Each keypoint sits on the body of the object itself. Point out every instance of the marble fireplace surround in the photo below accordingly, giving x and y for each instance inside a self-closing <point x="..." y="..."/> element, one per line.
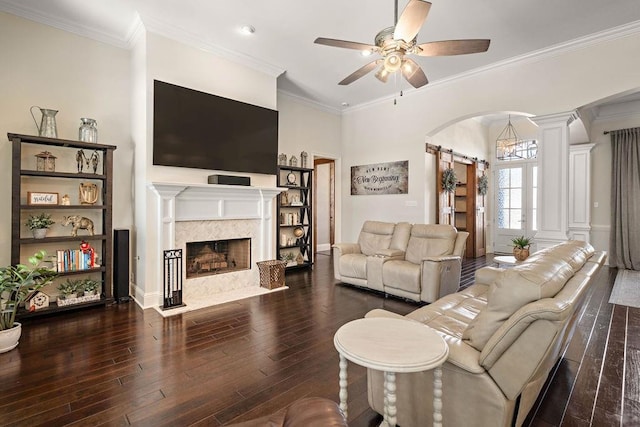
<point x="197" y="212"/>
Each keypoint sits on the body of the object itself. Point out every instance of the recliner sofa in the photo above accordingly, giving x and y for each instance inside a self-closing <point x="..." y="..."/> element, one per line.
<point x="505" y="333"/>
<point x="420" y="262"/>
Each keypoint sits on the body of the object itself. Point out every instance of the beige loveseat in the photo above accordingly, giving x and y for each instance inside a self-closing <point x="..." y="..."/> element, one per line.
<point x="421" y="262"/>
<point x="505" y="333"/>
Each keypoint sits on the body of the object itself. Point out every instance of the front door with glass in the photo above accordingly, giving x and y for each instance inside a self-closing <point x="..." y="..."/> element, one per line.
<point x="516" y="200"/>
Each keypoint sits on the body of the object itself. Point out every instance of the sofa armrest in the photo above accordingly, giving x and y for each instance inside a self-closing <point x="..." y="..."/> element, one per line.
<point x="390" y="253"/>
<point x="487" y="275"/>
<point x="347" y="248"/>
<point x="440" y="276"/>
<point x="378" y="312"/>
<point x="463" y="355"/>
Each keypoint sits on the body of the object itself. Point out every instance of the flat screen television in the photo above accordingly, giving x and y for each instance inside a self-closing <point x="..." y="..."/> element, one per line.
<point x="194" y="129"/>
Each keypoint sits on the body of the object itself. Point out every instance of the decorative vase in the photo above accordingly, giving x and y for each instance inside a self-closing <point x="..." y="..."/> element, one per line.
<point x="39" y="233"/>
<point x="9" y="337"/>
<point x="521" y="254"/>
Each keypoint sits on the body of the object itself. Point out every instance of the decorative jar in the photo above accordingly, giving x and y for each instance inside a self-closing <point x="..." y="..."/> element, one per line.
<point x="88" y="131"/>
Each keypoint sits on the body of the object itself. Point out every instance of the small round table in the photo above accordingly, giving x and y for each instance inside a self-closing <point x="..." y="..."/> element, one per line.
<point x="506" y="261"/>
<point x="392" y="346"/>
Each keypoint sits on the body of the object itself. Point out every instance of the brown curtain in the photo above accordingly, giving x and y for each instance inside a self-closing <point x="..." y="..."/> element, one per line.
<point x="624" y="244"/>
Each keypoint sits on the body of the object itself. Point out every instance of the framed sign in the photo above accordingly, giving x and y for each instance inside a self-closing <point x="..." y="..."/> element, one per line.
<point x="380" y="178"/>
<point x="34" y="198"/>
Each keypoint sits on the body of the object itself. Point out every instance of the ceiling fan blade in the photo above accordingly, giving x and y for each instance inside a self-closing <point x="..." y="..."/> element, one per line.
<point x="453" y="47"/>
<point x="360" y="72"/>
<point x="411" y="20"/>
<point x="345" y="44"/>
<point x="413" y="73"/>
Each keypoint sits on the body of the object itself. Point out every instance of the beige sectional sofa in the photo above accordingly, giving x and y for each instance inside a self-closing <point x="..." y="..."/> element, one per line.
<point x="505" y="333"/>
<point x="421" y="262"/>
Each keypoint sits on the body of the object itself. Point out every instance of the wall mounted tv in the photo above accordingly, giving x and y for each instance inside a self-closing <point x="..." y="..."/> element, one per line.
<point x="193" y="129"/>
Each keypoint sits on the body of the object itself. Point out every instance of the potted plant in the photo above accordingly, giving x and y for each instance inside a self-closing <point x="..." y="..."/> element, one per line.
<point x="90" y="286"/>
<point x="16" y="283"/>
<point x="289" y="258"/>
<point x="521" y="247"/>
<point x="69" y="289"/>
<point x="39" y="224"/>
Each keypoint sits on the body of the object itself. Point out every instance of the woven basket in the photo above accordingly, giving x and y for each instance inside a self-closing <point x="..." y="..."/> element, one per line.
<point x="271" y="273"/>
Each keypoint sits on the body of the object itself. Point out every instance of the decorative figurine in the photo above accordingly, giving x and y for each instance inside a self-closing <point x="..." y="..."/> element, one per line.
<point x="78" y="223"/>
<point x="282" y="159"/>
<point x="66" y="201"/>
<point x="293" y="161"/>
<point x="303" y="159"/>
<point x="82" y="160"/>
<point x="87" y="249"/>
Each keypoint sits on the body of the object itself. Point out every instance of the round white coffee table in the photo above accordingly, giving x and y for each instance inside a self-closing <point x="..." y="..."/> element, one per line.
<point x="506" y="261"/>
<point x="392" y="346"/>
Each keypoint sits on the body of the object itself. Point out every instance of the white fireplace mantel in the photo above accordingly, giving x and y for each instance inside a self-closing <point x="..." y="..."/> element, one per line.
<point x="211" y="202"/>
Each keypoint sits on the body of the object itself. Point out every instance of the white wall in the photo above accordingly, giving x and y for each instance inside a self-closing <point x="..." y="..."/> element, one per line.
<point x="160" y="58"/>
<point x="80" y="78"/>
<point x="542" y="85"/>
<point x="307" y="127"/>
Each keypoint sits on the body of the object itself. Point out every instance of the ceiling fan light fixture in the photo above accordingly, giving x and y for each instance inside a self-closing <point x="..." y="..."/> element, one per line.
<point x="367" y="52"/>
<point x="382" y="74"/>
<point x="393" y="62"/>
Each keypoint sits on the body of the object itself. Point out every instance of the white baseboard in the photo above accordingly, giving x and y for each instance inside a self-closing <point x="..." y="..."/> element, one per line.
<point x="323" y="247"/>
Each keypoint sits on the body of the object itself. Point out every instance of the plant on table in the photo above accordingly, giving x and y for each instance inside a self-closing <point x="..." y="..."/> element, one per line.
<point x="521" y="246"/>
<point x="39" y="224"/>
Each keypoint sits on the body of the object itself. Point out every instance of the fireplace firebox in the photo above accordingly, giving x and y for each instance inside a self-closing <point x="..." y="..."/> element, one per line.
<point x="218" y="257"/>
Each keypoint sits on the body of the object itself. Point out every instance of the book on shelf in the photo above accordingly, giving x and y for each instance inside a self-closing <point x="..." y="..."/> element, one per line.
<point x="73" y="260"/>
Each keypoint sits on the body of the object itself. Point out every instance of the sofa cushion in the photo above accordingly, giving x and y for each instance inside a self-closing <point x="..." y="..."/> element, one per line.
<point x="353" y="265"/>
<point x="375" y="235"/>
<point x="402" y="275"/>
<point x="574" y="252"/>
<point x="428" y="240"/>
<point x="540" y="277"/>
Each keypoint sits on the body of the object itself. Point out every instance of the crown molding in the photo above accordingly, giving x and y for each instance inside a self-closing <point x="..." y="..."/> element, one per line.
<point x="310" y="103"/>
<point x="548" y="52"/>
<point x="191" y="39"/>
<point x="62" y="24"/>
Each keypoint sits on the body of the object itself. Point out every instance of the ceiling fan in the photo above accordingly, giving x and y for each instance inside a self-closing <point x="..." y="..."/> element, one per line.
<point x="395" y="43"/>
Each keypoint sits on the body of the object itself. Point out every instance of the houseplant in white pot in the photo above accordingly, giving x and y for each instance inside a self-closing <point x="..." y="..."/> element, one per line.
<point x="16" y="283"/>
<point x="39" y="224"/>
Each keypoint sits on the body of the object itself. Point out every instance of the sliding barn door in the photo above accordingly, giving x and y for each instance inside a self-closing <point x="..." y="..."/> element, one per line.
<point x="480" y="238"/>
<point x="445" y="204"/>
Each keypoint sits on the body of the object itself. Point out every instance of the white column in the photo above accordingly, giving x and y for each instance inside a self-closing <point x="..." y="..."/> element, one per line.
<point x="580" y="191"/>
<point x="553" y="185"/>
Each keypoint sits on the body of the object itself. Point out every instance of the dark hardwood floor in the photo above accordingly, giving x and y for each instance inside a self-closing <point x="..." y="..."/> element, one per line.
<point x="121" y="365"/>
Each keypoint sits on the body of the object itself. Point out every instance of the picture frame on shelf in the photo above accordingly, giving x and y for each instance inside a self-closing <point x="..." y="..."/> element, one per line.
<point x="41" y="198"/>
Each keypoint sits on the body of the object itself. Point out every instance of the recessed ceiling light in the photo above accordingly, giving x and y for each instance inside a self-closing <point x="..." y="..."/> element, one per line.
<point x="247" y="29"/>
<point x="345" y="104"/>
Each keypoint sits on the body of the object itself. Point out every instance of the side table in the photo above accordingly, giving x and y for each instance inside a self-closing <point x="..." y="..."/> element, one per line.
<point x="392" y="346"/>
<point x="506" y="261"/>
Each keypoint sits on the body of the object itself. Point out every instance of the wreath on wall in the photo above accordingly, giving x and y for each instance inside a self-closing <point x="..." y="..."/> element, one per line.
<point x="449" y="180"/>
<point x="483" y="185"/>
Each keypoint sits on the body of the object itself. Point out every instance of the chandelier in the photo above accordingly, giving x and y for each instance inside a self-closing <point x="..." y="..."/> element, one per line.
<point x="509" y="146"/>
